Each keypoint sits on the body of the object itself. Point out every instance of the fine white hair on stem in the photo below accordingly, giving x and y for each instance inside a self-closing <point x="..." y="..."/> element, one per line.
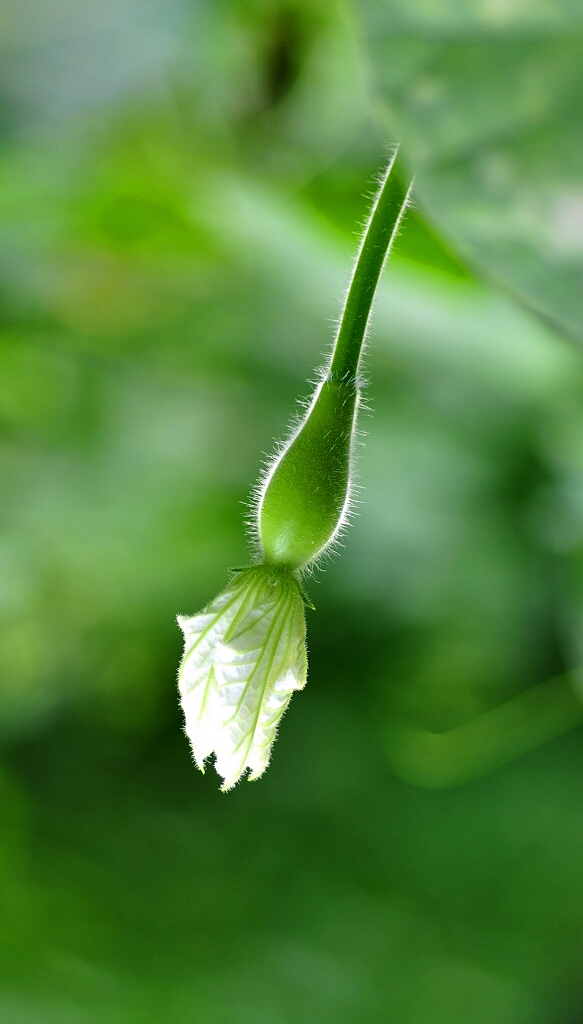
<point x="344" y="362"/>
<point x="374" y="195"/>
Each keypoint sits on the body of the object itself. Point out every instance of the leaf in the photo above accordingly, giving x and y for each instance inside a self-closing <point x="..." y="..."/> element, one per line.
<point x="488" y="102"/>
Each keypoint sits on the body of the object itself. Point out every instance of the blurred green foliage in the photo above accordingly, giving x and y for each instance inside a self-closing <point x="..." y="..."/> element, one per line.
<point x="179" y="188"/>
<point x="486" y="97"/>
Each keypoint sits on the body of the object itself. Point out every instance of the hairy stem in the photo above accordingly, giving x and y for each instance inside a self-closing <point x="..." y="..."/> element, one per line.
<point x="382" y="228"/>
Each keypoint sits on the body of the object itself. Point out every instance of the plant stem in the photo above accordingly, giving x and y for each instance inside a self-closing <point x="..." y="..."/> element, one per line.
<point x="382" y="228"/>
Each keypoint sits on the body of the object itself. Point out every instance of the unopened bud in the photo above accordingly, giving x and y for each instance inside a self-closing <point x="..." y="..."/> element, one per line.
<point x="305" y="498"/>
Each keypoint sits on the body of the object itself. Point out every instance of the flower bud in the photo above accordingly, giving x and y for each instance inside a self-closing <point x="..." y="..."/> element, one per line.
<point x="245" y="653"/>
<point x="305" y="497"/>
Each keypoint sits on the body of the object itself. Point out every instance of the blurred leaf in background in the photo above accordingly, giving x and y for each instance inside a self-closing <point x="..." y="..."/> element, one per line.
<point x="488" y="100"/>
<point x="180" y="185"/>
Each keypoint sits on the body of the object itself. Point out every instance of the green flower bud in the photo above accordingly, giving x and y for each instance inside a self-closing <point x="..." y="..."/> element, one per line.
<point x="245" y="653"/>
<point x="305" y="497"/>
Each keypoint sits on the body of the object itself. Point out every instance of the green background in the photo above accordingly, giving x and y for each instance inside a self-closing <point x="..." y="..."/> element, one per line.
<point x="180" y="189"/>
